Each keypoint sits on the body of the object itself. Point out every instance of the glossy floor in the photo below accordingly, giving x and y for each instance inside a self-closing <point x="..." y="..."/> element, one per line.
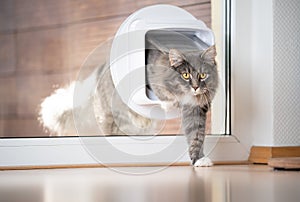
<point x="183" y="183"/>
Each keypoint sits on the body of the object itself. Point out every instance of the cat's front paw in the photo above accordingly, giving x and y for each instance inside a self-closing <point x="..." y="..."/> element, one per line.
<point x="203" y="162"/>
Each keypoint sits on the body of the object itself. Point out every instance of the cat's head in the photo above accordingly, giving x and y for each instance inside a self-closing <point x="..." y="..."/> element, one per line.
<point x="181" y="76"/>
<point x="197" y="74"/>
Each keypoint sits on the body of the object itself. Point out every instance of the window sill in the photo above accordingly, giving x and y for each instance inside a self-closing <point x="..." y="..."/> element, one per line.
<point x="112" y="151"/>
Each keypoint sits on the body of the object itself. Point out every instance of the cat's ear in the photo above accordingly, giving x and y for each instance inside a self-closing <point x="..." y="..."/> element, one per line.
<point x="209" y="55"/>
<point x="175" y="58"/>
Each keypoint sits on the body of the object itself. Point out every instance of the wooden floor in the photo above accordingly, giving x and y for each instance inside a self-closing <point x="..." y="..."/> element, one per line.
<point x="178" y="183"/>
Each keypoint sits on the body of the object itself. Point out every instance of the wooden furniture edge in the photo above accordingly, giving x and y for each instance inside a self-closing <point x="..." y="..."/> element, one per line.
<point x="262" y="154"/>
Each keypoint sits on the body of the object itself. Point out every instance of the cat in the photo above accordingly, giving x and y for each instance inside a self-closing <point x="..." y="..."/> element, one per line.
<point x="188" y="81"/>
<point x="182" y="79"/>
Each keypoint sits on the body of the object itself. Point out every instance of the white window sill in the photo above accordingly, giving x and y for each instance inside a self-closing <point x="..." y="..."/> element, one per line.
<point x="159" y="150"/>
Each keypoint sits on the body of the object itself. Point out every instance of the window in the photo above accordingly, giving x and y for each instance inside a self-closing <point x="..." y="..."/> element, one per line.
<point x="42" y="52"/>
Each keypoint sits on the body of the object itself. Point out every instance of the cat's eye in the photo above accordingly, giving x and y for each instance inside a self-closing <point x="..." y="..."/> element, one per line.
<point x="185" y="75"/>
<point x="202" y="76"/>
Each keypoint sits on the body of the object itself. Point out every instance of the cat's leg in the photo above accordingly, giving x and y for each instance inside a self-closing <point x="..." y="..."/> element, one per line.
<point x="194" y="118"/>
<point x="203" y="161"/>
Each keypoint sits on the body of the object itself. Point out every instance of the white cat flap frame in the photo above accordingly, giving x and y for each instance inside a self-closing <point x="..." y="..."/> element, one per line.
<point x="127" y="56"/>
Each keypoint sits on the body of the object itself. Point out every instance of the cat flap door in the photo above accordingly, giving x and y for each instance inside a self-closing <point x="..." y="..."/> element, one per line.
<point x="162" y="27"/>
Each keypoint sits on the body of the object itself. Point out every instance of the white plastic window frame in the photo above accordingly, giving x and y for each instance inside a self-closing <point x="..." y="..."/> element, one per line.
<point x="69" y="151"/>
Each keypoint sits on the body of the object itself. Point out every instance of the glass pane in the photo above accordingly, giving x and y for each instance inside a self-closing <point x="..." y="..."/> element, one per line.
<point x="47" y="45"/>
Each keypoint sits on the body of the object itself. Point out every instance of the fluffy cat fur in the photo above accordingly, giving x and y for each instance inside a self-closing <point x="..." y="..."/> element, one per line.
<point x="188" y="80"/>
<point x="184" y="79"/>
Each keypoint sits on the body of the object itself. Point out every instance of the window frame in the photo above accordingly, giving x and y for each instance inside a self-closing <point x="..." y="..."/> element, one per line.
<point x="69" y="151"/>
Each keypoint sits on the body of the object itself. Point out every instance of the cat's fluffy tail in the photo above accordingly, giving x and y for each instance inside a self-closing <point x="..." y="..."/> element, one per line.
<point x="56" y="112"/>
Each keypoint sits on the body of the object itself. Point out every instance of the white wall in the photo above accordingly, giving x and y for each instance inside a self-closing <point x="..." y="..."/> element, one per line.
<point x="257" y="104"/>
<point x="286" y="72"/>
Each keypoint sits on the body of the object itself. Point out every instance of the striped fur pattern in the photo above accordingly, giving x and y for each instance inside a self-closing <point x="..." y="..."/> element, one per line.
<point x="187" y="80"/>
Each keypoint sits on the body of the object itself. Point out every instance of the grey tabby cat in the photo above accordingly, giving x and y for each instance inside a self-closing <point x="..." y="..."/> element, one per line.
<point x="188" y="80"/>
<point x="183" y="79"/>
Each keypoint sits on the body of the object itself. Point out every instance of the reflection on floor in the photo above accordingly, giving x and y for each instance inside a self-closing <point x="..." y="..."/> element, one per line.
<point x="181" y="183"/>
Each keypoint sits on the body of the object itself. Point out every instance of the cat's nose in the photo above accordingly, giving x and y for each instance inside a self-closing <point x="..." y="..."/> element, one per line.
<point x="195" y="87"/>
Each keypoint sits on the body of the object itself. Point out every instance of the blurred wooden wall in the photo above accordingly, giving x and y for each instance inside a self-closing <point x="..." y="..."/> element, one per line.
<point x="44" y="42"/>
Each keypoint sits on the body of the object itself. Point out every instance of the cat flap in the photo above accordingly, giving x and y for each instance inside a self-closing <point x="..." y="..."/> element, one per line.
<point x="184" y="40"/>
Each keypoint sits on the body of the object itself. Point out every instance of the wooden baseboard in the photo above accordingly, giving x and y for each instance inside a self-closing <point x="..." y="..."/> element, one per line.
<point x="263" y="154"/>
<point x="90" y="166"/>
<point x="216" y="163"/>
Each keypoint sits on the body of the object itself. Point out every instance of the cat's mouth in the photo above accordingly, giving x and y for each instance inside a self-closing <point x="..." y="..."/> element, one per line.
<point x="203" y="96"/>
<point x="199" y="91"/>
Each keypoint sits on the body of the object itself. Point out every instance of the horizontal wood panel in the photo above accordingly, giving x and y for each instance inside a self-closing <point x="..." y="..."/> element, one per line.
<point x="62" y="49"/>
<point x="32" y="89"/>
<point x="56" y="12"/>
<point x="8" y="97"/>
<point x="7" y="54"/>
<point x="7" y="15"/>
<point x="21" y="128"/>
<point x="67" y="47"/>
<point x="260" y="154"/>
<point x="84" y="38"/>
<point x="201" y="12"/>
<point x="43" y="50"/>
